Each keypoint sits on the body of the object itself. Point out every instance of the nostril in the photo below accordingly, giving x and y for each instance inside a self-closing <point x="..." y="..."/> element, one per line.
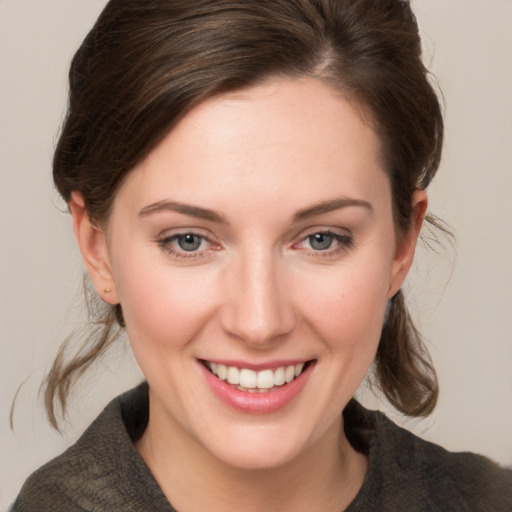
<point x="256" y="310"/>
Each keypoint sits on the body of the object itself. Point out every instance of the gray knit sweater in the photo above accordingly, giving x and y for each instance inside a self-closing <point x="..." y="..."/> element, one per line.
<point x="104" y="472"/>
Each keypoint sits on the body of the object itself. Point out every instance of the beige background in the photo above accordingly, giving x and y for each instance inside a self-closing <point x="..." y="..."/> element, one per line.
<point x="466" y="318"/>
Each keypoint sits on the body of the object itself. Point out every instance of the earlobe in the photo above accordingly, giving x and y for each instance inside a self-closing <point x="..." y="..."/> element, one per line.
<point x="92" y="242"/>
<point x="406" y="247"/>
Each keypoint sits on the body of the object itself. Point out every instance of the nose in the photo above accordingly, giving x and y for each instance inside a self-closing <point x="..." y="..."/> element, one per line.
<point x="257" y="308"/>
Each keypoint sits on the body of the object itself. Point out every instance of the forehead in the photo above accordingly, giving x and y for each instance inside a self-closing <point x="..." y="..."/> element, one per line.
<point x="284" y="138"/>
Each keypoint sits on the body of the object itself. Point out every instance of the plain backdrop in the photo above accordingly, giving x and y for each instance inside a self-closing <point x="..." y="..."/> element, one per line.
<point x="462" y="297"/>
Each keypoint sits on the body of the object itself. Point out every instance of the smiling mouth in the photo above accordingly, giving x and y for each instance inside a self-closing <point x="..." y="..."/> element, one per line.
<point x="251" y="381"/>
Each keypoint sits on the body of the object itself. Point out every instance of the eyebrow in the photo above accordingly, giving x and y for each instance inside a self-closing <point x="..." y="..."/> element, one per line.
<point x="329" y="206"/>
<point x="185" y="209"/>
<point x="213" y="216"/>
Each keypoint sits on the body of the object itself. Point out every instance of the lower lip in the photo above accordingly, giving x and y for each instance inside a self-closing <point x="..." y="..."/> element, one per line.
<point x="257" y="403"/>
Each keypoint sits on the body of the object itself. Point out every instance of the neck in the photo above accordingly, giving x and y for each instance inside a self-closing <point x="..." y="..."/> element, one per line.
<point x="326" y="476"/>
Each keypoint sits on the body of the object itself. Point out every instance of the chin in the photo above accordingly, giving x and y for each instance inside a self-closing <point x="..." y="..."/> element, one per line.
<point x="252" y="456"/>
<point x="261" y="446"/>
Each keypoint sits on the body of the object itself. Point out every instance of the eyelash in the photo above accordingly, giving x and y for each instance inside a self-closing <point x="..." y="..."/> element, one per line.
<point x="166" y="244"/>
<point x="342" y="243"/>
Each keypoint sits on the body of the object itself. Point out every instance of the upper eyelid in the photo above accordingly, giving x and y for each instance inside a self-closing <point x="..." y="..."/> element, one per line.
<point x="307" y="232"/>
<point x="335" y="235"/>
<point x="176" y="232"/>
<point x="332" y="231"/>
<point x="165" y="236"/>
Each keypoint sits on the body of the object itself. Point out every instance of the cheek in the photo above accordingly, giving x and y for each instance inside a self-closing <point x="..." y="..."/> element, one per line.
<point x="163" y="306"/>
<point x="347" y="306"/>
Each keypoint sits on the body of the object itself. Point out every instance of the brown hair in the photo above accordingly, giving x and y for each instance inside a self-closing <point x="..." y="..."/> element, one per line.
<point x="146" y="63"/>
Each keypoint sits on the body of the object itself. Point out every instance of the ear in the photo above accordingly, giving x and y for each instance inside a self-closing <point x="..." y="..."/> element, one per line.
<point x="93" y="246"/>
<point x="406" y="245"/>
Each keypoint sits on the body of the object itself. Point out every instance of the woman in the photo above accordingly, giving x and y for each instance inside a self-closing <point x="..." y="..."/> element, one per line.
<point x="247" y="184"/>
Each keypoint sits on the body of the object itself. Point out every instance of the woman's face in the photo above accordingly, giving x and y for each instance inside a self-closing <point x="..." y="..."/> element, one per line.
<point x="254" y="244"/>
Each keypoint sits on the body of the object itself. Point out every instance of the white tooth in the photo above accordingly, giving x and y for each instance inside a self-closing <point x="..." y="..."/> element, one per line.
<point x="265" y="379"/>
<point x="247" y="378"/>
<point x="298" y="369"/>
<point x="279" y="378"/>
<point x="233" y="375"/>
<point x="213" y="367"/>
<point x="222" y="372"/>
<point x="289" y="373"/>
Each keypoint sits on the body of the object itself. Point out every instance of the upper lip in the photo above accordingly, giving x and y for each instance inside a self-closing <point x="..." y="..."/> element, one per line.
<point x="269" y="365"/>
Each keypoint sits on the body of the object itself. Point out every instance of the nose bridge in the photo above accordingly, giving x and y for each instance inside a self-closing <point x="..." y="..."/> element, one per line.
<point x="257" y="309"/>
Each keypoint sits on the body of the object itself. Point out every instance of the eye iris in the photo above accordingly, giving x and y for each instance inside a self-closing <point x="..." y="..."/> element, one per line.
<point x="189" y="242"/>
<point x="320" y="241"/>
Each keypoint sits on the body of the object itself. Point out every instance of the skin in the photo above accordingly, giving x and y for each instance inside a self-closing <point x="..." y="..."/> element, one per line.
<point x="257" y="290"/>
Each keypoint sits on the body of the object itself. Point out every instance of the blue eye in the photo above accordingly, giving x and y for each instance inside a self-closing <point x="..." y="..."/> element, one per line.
<point x="325" y="243"/>
<point x="189" y="242"/>
<point x="321" y="241"/>
<point x="185" y="245"/>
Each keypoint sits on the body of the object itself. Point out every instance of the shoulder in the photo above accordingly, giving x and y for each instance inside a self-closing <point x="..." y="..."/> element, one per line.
<point x="460" y="481"/>
<point x="64" y="483"/>
<point x="101" y="471"/>
<point x="405" y="469"/>
<point x="469" y="481"/>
